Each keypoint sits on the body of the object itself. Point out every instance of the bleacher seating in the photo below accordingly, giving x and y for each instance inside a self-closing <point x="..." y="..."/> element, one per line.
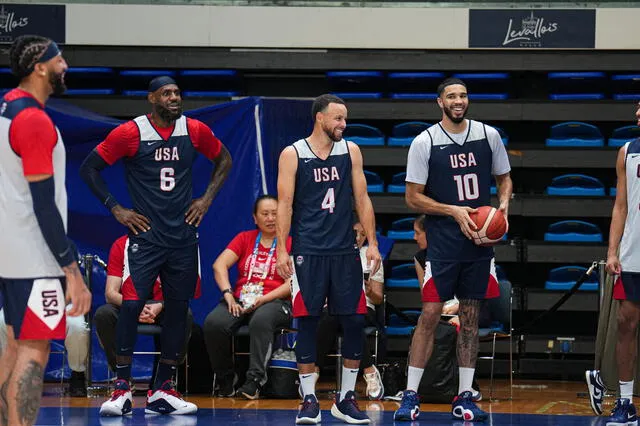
<point x="564" y="277"/>
<point x="573" y="231"/>
<point x="576" y="86"/>
<point x="576" y="185"/>
<point x="575" y="134"/>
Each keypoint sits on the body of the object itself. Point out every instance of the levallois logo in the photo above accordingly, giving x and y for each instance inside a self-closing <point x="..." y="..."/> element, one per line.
<point x="530" y="33"/>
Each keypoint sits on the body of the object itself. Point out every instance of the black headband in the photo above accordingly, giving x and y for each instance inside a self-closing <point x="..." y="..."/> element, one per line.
<point x="159" y="82"/>
<point x="51" y="52"/>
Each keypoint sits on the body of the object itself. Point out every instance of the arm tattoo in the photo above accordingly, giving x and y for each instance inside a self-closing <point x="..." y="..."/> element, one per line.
<point x="467" y="347"/>
<point x="4" y="404"/>
<point x="222" y="168"/>
<point x="29" y="392"/>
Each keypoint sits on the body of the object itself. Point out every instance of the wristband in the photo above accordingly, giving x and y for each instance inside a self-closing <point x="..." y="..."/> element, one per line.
<point x="227" y="290"/>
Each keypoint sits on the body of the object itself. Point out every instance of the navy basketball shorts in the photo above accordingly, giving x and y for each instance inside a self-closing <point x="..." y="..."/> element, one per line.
<point x="627" y="287"/>
<point x="35" y="307"/>
<point x="466" y="280"/>
<point x="336" y="280"/>
<point x="178" y="269"/>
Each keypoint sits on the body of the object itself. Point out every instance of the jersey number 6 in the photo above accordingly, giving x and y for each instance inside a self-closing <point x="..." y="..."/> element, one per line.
<point x="167" y="179"/>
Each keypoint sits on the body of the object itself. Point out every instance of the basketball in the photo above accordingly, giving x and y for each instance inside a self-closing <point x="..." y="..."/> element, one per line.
<point x="491" y="224"/>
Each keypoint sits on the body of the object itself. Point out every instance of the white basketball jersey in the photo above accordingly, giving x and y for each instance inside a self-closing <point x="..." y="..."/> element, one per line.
<point x="630" y="243"/>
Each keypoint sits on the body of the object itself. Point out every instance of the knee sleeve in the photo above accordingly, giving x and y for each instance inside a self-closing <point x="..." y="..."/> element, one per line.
<point x="174" y="329"/>
<point x="306" y="340"/>
<point x="353" y="337"/>
<point x="127" y="327"/>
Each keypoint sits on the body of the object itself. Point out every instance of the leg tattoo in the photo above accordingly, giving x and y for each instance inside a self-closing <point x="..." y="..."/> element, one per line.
<point x="4" y="404"/>
<point x="467" y="347"/>
<point x="29" y="392"/>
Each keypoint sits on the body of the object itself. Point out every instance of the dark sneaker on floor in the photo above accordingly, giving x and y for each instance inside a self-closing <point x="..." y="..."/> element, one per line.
<point x="77" y="384"/>
<point x="623" y="414"/>
<point x="409" y="407"/>
<point x="250" y="389"/>
<point x="309" y="412"/>
<point x="463" y="408"/>
<point x="226" y="385"/>
<point x="348" y="411"/>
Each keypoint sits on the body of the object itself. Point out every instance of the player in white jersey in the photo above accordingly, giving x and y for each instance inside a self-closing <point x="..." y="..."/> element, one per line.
<point x="624" y="237"/>
<point x="36" y="258"/>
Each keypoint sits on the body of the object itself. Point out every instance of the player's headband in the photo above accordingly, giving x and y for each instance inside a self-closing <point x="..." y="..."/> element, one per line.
<point x="50" y="52"/>
<point x="159" y="82"/>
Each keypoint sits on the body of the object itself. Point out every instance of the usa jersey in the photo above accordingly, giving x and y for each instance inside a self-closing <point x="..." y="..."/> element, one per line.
<point x="322" y="222"/>
<point x="456" y="172"/>
<point x="629" y="245"/>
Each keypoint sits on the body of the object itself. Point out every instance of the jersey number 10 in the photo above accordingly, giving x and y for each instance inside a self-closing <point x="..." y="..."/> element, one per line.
<point x="468" y="188"/>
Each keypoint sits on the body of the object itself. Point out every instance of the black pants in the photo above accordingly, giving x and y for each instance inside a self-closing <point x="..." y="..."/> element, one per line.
<point x="328" y="330"/>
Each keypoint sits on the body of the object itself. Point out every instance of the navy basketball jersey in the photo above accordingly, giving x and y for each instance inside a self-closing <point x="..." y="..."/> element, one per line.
<point x="459" y="174"/>
<point x="160" y="183"/>
<point x="322" y="221"/>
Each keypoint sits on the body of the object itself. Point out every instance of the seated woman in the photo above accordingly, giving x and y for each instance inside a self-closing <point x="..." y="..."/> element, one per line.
<point x="329" y="326"/>
<point x="261" y="299"/>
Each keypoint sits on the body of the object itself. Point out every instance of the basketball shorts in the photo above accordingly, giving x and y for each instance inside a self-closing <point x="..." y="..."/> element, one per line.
<point x="35" y="307"/>
<point x="335" y="280"/>
<point x="465" y="280"/>
<point x="627" y="287"/>
<point x="178" y="269"/>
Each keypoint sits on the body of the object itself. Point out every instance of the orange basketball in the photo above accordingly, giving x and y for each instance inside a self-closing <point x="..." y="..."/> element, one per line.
<point x="491" y="225"/>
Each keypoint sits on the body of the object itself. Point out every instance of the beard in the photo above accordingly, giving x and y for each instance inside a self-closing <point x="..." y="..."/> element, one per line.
<point x="332" y="135"/>
<point x="166" y="114"/>
<point x="456" y="120"/>
<point x="57" y="84"/>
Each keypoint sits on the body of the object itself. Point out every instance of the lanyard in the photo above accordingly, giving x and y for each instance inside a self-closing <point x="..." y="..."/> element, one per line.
<point x="254" y="256"/>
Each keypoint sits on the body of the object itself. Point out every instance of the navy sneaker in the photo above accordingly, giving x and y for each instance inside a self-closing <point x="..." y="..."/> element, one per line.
<point x="463" y="408"/>
<point x="309" y="412"/>
<point x="120" y="403"/>
<point x="409" y="407"/>
<point x="623" y="414"/>
<point x="596" y="390"/>
<point x="348" y="411"/>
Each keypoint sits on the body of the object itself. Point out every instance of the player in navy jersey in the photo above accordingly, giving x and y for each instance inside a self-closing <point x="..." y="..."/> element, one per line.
<point x="158" y="151"/>
<point x="449" y="169"/>
<point x="36" y="258"/>
<point x="318" y="179"/>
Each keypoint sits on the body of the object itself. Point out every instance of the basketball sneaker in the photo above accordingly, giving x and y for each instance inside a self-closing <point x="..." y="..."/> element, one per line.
<point x="596" y="390"/>
<point x="166" y="400"/>
<point x="409" y="407"/>
<point x="375" y="388"/>
<point x="463" y="408"/>
<point x="623" y="414"/>
<point x="120" y="403"/>
<point x="348" y="411"/>
<point x="309" y="412"/>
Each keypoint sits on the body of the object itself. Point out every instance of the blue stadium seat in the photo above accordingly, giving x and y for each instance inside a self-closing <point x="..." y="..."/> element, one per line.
<point x="575" y="134"/>
<point x="414" y="85"/>
<point x="576" y="185"/>
<point x="503" y="135"/>
<point x="356" y="84"/>
<point x="90" y="81"/>
<point x="624" y="134"/>
<point x="401" y="229"/>
<point x="486" y="86"/>
<point x="385" y="245"/>
<point x="398" y="326"/>
<point x="136" y="82"/>
<point x="494" y="188"/>
<point x="404" y="133"/>
<point x="364" y="135"/>
<point x="375" y="184"/>
<point x="625" y="87"/>
<point x="564" y="86"/>
<point x="573" y="231"/>
<point x="397" y="185"/>
<point x="613" y="191"/>
<point x="564" y="277"/>
<point x="403" y="276"/>
<point x="210" y="83"/>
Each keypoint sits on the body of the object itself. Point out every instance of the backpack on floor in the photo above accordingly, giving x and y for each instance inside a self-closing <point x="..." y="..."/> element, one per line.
<point x="282" y="375"/>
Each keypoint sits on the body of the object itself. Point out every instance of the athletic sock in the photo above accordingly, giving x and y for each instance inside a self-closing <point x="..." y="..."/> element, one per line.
<point x="465" y="380"/>
<point x="308" y="383"/>
<point x="413" y="378"/>
<point x="349" y="377"/>
<point x="626" y="390"/>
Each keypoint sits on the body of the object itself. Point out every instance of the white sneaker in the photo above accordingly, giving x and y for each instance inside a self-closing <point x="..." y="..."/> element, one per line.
<point x="166" y="400"/>
<point x="120" y="403"/>
<point x="375" y="388"/>
<point x="476" y="396"/>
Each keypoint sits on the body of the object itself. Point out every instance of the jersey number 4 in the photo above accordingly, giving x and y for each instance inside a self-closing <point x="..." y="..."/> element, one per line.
<point x="468" y="188"/>
<point x="167" y="179"/>
<point x="329" y="201"/>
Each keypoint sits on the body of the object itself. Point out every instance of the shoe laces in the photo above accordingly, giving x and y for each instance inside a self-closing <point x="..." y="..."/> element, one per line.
<point x="118" y="393"/>
<point x="372" y="380"/>
<point x="306" y="404"/>
<point x="170" y="390"/>
<point x="618" y="408"/>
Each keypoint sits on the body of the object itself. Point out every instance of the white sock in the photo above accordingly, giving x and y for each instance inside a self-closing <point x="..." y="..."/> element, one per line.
<point x="465" y="379"/>
<point x="626" y="390"/>
<point x="349" y="377"/>
<point x="413" y="378"/>
<point x="308" y="383"/>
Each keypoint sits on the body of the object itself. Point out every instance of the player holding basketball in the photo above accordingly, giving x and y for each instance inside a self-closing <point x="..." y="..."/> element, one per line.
<point x="624" y="236"/>
<point x="449" y="170"/>
<point x="36" y="258"/>
<point x="317" y="178"/>
<point x="158" y="152"/>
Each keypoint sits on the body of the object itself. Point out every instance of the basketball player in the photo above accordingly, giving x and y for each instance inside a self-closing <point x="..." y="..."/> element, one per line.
<point x="449" y="170"/>
<point x="623" y="235"/>
<point x="158" y="151"/>
<point x="36" y="258"/>
<point x="317" y="178"/>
